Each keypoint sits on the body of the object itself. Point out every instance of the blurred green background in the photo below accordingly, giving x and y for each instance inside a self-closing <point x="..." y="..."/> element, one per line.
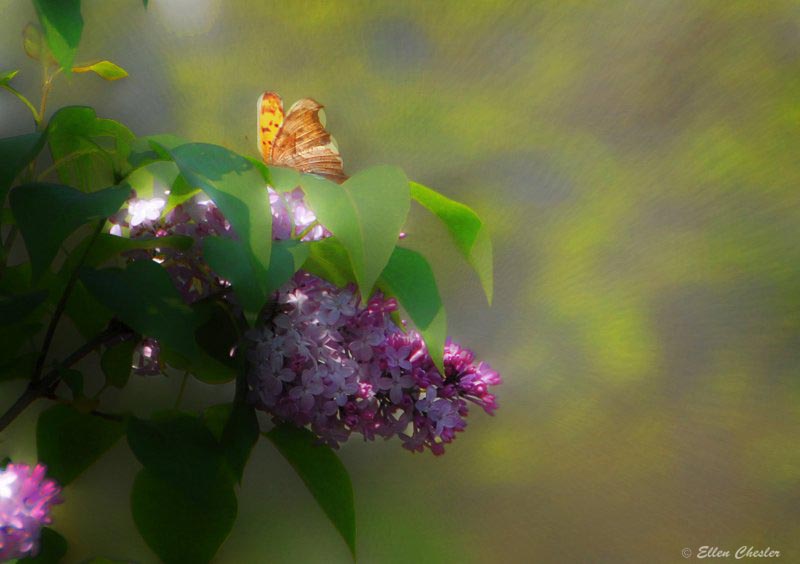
<point x="638" y="166"/>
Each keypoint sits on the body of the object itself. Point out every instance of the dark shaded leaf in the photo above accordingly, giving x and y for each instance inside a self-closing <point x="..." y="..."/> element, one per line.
<point x="14" y="309"/>
<point x="63" y="25"/>
<point x="46" y="214"/>
<point x="52" y="548"/>
<point x="143" y="297"/>
<point x="88" y="315"/>
<point x="324" y="475"/>
<point x="20" y="367"/>
<point x="117" y="363"/>
<point x="181" y="449"/>
<point x="409" y="277"/>
<point x="231" y="261"/>
<point x="239" y="437"/>
<point x="68" y="441"/>
<point x="15" y="154"/>
<point x="217" y="333"/>
<point x="182" y="527"/>
<point x="466" y="229"/>
<point x="74" y="381"/>
<point x="107" y="246"/>
<point x="365" y="213"/>
<point x="237" y="431"/>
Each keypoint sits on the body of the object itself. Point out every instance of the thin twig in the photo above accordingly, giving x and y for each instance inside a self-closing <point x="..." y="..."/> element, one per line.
<point x="44" y="387"/>
<point x="180" y="392"/>
<point x="62" y="303"/>
<point x="308" y="229"/>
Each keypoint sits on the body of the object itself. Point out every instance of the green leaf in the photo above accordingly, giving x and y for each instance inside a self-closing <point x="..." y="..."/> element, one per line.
<point x="365" y="213"/>
<point x="14" y="309"/>
<point x="88" y="152"/>
<point x="52" y="548"/>
<point x="46" y="214"/>
<point x="409" y="277"/>
<point x="324" y="475"/>
<point x="143" y="149"/>
<point x="218" y="332"/>
<point x="152" y="179"/>
<point x="239" y="192"/>
<point x="6" y="76"/>
<point x="235" y="426"/>
<point x="145" y="3"/>
<point x="230" y="260"/>
<point x="181" y="449"/>
<point x="62" y="24"/>
<point x="107" y="246"/>
<point x="104" y="69"/>
<point x="182" y="527"/>
<point x="117" y="362"/>
<point x="328" y="259"/>
<point x="143" y="297"/>
<point x="15" y="154"/>
<point x="88" y="315"/>
<point x="283" y="179"/>
<point x="68" y="441"/>
<point x="465" y="227"/>
<point x="32" y="41"/>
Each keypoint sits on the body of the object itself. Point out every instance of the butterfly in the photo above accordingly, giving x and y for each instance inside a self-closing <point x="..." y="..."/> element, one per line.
<point x="297" y="139"/>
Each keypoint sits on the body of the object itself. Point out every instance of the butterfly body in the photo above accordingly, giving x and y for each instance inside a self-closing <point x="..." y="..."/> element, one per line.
<point x="297" y="138"/>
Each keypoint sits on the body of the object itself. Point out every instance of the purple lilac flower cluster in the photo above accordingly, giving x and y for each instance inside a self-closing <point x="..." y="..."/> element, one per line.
<point x="327" y="361"/>
<point x="324" y="360"/>
<point x="26" y="498"/>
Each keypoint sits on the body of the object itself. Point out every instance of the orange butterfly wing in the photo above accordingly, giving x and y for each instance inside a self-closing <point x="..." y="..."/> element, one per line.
<point x="270" y="119"/>
<point x="301" y="142"/>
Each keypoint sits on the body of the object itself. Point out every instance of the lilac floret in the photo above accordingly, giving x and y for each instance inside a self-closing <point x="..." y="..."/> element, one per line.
<point x="26" y="499"/>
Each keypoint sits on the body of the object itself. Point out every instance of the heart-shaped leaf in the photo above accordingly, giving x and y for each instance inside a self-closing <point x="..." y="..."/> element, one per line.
<point x="182" y="527"/>
<point x="117" y="363"/>
<point x="68" y="441"/>
<point x="88" y="152"/>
